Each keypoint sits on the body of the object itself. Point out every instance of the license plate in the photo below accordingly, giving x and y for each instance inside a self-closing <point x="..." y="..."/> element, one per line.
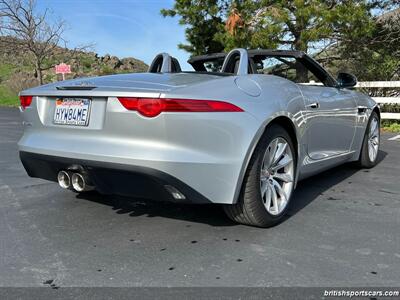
<point x="72" y="111"/>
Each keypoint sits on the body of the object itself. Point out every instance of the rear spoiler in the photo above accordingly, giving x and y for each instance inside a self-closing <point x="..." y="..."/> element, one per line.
<point x="75" y="87"/>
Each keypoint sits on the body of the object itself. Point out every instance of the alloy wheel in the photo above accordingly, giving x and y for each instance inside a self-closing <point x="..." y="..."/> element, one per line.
<point x="277" y="176"/>
<point x="373" y="139"/>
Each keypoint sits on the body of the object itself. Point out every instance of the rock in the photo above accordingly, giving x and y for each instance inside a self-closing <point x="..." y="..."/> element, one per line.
<point x="114" y="62"/>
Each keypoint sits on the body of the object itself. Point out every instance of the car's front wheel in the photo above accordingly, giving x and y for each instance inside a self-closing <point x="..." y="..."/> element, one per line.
<point x="370" y="147"/>
<point x="269" y="181"/>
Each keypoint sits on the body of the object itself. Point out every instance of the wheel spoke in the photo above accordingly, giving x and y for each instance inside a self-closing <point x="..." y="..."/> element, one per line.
<point x="372" y="149"/>
<point x="264" y="188"/>
<point x="282" y="163"/>
<point x="285" y="177"/>
<point x="274" y="199"/>
<point x="373" y="127"/>
<point x="270" y="154"/>
<point x="268" y="197"/>
<point x="279" y="152"/>
<point x="376" y="131"/>
<point x="281" y="192"/>
<point x="375" y="152"/>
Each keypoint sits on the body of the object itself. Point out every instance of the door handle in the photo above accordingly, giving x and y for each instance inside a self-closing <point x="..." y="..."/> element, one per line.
<point x="313" y="105"/>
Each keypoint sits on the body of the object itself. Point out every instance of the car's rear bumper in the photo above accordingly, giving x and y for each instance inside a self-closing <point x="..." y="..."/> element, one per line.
<point x="205" y="151"/>
<point x="113" y="178"/>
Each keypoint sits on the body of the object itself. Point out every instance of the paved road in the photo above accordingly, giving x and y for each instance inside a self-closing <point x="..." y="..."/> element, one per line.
<point x="342" y="231"/>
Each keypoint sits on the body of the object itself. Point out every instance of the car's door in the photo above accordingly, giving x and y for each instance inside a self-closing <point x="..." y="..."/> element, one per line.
<point x="330" y="120"/>
<point x="330" y="112"/>
<point x="331" y="116"/>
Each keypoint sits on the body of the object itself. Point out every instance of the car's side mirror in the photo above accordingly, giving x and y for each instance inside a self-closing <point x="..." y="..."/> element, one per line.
<point x="346" y="80"/>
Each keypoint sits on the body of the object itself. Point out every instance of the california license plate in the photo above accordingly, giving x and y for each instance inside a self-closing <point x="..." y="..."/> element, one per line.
<point x="72" y="111"/>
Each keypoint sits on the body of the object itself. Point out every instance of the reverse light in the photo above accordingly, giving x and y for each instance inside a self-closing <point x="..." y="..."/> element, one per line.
<point x="25" y="101"/>
<point x="152" y="107"/>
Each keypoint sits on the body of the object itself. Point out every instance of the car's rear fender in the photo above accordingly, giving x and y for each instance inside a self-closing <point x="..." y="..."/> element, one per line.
<point x="285" y="120"/>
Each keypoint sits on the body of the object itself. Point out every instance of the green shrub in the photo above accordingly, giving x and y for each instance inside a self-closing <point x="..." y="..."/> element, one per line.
<point x="106" y="70"/>
<point x="86" y="62"/>
<point x="391" y="125"/>
<point x="394" y="127"/>
<point x="49" y="78"/>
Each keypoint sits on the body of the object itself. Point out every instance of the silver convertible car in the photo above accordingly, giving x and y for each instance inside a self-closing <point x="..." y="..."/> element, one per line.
<point x="240" y="130"/>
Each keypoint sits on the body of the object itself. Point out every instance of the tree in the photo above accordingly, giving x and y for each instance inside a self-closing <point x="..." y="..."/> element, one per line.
<point x="375" y="56"/>
<point x="309" y="25"/>
<point x="30" y="32"/>
<point x="372" y="57"/>
<point x="204" y="19"/>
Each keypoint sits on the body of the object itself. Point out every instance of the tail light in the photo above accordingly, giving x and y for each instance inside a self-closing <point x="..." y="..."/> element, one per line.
<point x="25" y="101"/>
<point x="151" y="107"/>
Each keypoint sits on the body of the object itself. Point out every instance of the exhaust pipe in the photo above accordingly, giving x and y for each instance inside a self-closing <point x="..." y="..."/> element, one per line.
<point x="80" y="183"/>
<point x="64" y="180"/>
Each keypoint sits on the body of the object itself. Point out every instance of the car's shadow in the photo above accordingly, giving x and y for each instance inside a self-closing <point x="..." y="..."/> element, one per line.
<point x="309" y="189"/>
<point x="306" y="192"/>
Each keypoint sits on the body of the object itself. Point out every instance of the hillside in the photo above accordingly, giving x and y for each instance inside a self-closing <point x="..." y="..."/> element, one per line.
<point x="17" y="74"/>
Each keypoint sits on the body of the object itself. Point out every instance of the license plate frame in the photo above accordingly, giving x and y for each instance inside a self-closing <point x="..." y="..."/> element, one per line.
<point x="72" y="111"/>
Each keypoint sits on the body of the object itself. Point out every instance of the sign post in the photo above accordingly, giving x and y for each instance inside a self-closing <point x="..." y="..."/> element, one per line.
<point x="63" y="69"/>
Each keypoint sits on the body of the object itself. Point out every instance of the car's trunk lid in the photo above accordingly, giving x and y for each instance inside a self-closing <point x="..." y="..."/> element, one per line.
<point x="96" y="98"/>
<point x="121" y="84"/>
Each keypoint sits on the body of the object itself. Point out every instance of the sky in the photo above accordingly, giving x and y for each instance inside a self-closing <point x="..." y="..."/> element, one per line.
<point x="123" y="28"/>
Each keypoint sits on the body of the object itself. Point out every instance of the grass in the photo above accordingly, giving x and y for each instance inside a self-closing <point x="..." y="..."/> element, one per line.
<point x="7" y="98"/>
<point x="5" y="71"/>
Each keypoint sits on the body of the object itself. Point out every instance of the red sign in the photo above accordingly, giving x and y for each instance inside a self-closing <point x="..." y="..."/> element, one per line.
<point x="63" y="69"/>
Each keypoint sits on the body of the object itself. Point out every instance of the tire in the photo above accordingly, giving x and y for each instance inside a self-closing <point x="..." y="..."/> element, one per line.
<point x="370" y="139"/>
<point x="255" y="207"/>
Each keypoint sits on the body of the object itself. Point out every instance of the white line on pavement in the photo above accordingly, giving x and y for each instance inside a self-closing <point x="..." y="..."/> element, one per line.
<point x="397" y="137"/>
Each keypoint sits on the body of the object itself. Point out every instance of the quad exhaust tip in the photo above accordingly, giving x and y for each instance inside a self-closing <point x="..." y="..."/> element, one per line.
<point x="64" y="179"/>
<point x="74" y="180"/>
<point x="80" y="183"/>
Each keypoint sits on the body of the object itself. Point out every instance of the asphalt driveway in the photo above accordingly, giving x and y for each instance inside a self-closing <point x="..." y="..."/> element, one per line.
<point x="343" y="230"/>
